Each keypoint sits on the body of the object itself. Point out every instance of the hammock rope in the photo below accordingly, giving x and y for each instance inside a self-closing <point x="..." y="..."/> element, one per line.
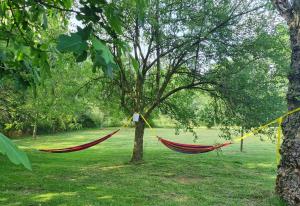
<point x="80" y="147"/>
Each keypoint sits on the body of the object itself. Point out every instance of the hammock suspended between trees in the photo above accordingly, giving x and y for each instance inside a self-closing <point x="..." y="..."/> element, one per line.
<point x="80" y="147"/>
<point x="191" y="148"/>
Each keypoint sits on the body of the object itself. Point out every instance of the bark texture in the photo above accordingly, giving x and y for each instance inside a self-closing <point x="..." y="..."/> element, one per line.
<point x="34" y="130"/>
<point x="137" y="154"/>
<point x="242" y="141"/>
<point x="288" y="175"/>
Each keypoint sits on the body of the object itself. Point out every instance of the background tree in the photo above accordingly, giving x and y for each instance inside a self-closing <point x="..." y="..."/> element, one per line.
<point x="254" y="94"/>
<point x="288" y="182"/>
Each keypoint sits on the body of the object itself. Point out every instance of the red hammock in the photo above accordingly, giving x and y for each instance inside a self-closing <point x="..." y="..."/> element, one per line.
<point x="80" y="147"/>
<point x="191" y="148"/>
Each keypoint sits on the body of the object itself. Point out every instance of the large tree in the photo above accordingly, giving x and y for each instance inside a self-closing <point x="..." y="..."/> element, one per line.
<point x="161" y="49"/>
<point x="288" y="177"/>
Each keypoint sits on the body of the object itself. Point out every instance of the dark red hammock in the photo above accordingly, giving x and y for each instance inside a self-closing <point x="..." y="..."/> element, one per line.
<point x="191" y="148"/>
<point x="80" y="147"/>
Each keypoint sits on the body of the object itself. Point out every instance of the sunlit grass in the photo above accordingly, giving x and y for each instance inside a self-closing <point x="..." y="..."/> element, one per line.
<point x="101" y="175"/>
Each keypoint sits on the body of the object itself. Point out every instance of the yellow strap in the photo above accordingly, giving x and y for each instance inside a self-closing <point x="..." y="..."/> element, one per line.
<point x="146" y="121"/>
<point x="291" y="112"/>
<point x="148" y="125"/>
<point x="248" y="134"/>
<point x="278" y="140"/>
<point x="128" y="122"/>
<point x="279" y="129"/>
<point x="266" y="125"/>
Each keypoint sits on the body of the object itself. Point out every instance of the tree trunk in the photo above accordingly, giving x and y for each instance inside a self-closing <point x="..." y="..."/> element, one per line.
<point x="242" y="141"/>
<point x="241" y="145"/>
<point x="137" y="154"/>
<point x="34" y="130"/>
<point x="288" y="174"/>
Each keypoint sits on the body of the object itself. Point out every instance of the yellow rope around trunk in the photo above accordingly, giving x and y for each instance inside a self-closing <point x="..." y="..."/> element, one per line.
<point x="146" y="121"/>
<point x="279" y="129"/>
<point x="148" y="125"/>
<point x="278" y="140"/>
<point x="248" y="134"/>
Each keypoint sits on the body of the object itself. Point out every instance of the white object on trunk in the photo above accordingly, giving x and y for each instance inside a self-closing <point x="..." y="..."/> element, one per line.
<point x="135" y="117"/>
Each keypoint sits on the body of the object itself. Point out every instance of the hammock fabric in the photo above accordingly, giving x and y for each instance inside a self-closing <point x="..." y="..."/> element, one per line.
<point x="191" y="148"/>
<point x="80" y="147"/>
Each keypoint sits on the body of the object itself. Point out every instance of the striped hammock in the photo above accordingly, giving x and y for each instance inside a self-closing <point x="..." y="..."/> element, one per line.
<point x="191" y="148"/>
<point x="80" y="147"/>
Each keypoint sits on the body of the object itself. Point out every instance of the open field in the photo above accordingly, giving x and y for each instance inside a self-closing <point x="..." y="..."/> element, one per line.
<point x="101" y="175"/>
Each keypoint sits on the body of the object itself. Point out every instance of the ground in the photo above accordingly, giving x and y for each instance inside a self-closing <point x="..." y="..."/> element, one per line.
<point x="101" y="175"/>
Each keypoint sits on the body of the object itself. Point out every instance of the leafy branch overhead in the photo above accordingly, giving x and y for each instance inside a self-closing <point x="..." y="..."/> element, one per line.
<point x="83" y="43"/>
<point x="13" y="153"/>
<point x="102" y="20"/>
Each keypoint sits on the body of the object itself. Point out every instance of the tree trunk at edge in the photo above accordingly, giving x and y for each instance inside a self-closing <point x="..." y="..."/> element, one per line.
<point x="288" y="174"/>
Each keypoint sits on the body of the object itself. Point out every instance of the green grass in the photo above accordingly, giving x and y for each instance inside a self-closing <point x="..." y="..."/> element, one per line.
<point x="101" y="175"/>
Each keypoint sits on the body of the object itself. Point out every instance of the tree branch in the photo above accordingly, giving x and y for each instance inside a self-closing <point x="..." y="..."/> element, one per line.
<point x="56" y="7"/>
<point x="285" y="9"/>
<point x="197" y="39"/>
<point x="193" y="85"/>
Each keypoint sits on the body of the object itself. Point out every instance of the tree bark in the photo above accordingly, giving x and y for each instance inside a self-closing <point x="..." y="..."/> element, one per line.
<point x="288" y="174"/>
<point x="242" y="141"/>
<point x="34" y="130"/>
<point x="137" y="154"/>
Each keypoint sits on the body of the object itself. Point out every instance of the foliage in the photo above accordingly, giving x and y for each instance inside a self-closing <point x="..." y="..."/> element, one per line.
<point x="23" y="51"/>
<point x="13" y="153"/>
<point x="254" y="93"/>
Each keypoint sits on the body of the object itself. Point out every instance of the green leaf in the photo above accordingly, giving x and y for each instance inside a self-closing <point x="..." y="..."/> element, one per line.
<point x="71" y="43"/>
<point x="123" y="46"/>
<point x="103" y="57"/>
<point x="81" y="57"/>
<point x="67" y="3"/>
<point x="85" y="32"/>
<point x="2" y="56"/>
<point x="135" y="64"/>
<point x="20" y="56"/>
<point x="45" y="22"/>
<point x="106" y="54"/>
<point x="113" y="18"/>
<point x="7" y="147"/>
<point x="141" y="6"/>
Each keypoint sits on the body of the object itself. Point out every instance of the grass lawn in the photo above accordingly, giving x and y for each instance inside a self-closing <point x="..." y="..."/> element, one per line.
<point x="101" y="175"/>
